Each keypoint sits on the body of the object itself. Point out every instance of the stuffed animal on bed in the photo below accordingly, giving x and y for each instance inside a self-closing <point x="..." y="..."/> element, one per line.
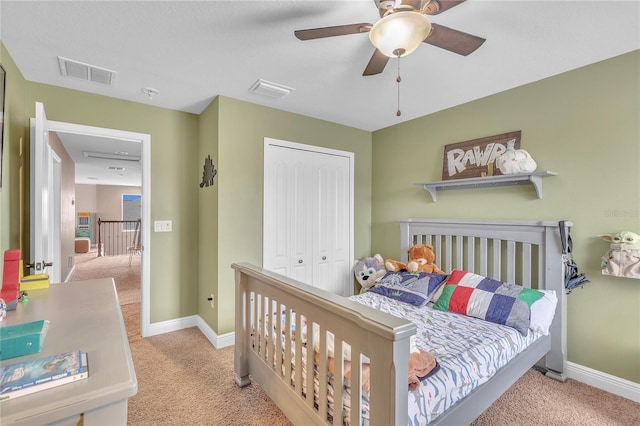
<point x="421" y="259"/>
<point x="368" y="270"/>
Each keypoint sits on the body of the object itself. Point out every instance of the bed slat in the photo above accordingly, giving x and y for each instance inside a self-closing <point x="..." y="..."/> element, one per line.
<point x="526" y="265"/>
<point x="471" y="253"/>
<point x="356" y="387"/>
<point x="309" y="363"/>
<point x="298" y="356"/>
<point x="511" y="261"/>
<point x="338" y="407"/>
<point x="497" y="260"/>
<point x="484" y="260"/>
<point x="322" y="372"/>
<point x="288" y="345"/>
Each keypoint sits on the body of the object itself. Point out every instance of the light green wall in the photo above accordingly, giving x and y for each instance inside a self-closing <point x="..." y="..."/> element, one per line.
<point x="208" y="217"/>
<point x="242" y="129"/>
<point x="174" y="184"/>
<point x="14" y="136"/>
<point x="584" y="125"/>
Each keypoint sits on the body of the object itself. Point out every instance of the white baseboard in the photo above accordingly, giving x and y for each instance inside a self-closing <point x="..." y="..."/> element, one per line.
<point x="218" y="342"/>
<point x="172" y="325"/>
<point x="73" y="268"/>
<point x="607" y="382"/>
<point x="597" y="379"/>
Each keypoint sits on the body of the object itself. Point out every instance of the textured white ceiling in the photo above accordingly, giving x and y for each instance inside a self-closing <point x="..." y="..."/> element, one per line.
<point x="194" y="51"/>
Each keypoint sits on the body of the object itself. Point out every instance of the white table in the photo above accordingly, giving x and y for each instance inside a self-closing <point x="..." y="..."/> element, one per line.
<point x="84" y="315"/>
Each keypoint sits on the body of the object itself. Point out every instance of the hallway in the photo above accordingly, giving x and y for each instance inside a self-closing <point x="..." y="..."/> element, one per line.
<point x="127" y="280"/>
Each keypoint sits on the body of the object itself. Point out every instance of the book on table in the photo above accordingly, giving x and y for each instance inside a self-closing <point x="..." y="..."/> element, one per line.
<point x="27" y="377"/>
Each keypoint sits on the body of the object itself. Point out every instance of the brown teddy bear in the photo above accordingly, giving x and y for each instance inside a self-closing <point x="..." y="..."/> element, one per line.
<point x="420" y="260"/>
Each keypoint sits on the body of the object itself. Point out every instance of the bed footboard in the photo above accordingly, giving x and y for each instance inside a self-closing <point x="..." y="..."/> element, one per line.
<point x="278" y="319"/>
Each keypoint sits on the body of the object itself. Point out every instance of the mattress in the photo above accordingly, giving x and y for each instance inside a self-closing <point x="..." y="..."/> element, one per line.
<point x="469" y="350"/>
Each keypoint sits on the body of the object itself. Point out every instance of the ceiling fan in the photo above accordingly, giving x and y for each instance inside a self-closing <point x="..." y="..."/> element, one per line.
<point x="403" y="25"/>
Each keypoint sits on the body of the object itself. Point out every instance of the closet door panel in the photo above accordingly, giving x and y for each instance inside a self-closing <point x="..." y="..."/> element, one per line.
<point x="331" y="229"/>
<point x="300" y="221"/>
<point x="322" y="230"/>
<point x="342" y="262"/>
<point x="275" y="213"/>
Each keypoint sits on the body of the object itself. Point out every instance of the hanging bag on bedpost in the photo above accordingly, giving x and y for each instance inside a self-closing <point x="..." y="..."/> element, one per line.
<point x="572" y="277"/>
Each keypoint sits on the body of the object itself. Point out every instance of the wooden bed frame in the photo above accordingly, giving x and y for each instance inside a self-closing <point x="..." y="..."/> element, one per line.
<point x="526" y="253"/>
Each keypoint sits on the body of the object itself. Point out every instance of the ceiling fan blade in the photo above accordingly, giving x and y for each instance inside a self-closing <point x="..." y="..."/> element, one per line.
<point x="376" y="64"/>
<point x="339" y="30"/>
<point x="453" y="40"/>
<point x="436" y="7"/>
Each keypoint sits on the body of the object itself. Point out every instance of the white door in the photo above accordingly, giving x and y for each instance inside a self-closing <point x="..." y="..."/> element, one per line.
<point x="330" y="212"/>
<point x="287" y="226"/>
<point x="308" y="214"/>
<point x="42" y="242"/>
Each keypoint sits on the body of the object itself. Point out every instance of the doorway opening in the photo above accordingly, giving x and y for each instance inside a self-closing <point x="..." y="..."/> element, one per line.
<point x="115" y="136"/>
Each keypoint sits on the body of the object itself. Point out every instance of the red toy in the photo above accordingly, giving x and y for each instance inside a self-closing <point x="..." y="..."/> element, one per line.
<point x="11" y="278"/>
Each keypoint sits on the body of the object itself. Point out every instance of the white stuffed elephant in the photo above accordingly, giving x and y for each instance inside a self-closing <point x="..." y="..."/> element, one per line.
<point x="515" y="161"/>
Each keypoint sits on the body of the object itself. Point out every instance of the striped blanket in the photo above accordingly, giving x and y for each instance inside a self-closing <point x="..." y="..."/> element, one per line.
<point x="469" y="351"/>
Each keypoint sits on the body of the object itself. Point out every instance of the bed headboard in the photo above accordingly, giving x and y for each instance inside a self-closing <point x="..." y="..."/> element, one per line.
<point x="527" y="253"/>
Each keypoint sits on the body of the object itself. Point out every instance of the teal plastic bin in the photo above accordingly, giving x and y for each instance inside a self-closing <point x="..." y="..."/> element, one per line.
<point x="22" y="339"/>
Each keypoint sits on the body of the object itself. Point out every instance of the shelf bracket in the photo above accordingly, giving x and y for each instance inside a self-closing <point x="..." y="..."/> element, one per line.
<point x="536" y="180"/>
<point x="431" y="190"/>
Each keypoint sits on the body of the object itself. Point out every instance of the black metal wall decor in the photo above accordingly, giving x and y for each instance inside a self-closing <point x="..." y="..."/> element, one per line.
<point x="208" y="173"/>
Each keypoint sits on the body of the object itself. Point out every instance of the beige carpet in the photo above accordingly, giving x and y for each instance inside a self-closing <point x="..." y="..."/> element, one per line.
<point x="184" y="380"/>
<point x="127" y="278"/>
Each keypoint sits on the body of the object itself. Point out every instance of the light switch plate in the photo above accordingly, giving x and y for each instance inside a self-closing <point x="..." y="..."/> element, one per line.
<point x="162" y="226"/>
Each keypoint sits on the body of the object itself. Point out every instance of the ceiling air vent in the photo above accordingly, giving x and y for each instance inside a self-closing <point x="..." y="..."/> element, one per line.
<point x="109" y="156"/>
<point x="269" y="89"/>
<point x="75" y="69"/>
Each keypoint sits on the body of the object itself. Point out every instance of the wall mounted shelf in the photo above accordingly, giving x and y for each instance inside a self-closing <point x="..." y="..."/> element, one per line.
<point x="534" y="178"/>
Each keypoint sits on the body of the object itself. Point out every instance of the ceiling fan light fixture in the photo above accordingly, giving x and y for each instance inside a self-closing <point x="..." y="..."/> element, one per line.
<point x="399" y="33"/>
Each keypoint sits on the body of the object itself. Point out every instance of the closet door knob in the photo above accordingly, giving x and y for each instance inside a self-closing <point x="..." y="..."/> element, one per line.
<point x="299" y="260"/>
<point x="324" y="257"/>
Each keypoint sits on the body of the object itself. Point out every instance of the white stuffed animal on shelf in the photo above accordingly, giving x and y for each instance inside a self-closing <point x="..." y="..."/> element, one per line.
<point x="515" y="161"/>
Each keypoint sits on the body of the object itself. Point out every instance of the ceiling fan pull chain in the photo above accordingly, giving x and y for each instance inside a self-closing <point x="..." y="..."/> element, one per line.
<point x="398" y="80"/>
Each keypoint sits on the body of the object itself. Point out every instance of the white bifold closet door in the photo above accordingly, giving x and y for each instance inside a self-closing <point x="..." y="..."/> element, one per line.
<point x="308" y="215"/>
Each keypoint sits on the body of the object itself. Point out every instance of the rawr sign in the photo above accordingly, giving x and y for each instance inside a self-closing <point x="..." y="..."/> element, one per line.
<point x="476" y="158"/>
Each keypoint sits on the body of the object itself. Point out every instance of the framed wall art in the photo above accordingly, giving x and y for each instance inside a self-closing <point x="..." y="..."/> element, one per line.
<point x="476" y="157"/>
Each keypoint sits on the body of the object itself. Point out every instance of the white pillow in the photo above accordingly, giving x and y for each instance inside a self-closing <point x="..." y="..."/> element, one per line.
<point x="543" y="311"/>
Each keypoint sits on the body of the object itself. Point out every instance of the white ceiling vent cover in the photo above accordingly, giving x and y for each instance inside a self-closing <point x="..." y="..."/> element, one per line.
<point x="75" y="69"/>
<point x="269" y="89"/>
<point x="109" y="156"/>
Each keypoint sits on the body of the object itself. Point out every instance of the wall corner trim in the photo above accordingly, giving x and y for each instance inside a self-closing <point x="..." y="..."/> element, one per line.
<point x="218" y="342"/>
